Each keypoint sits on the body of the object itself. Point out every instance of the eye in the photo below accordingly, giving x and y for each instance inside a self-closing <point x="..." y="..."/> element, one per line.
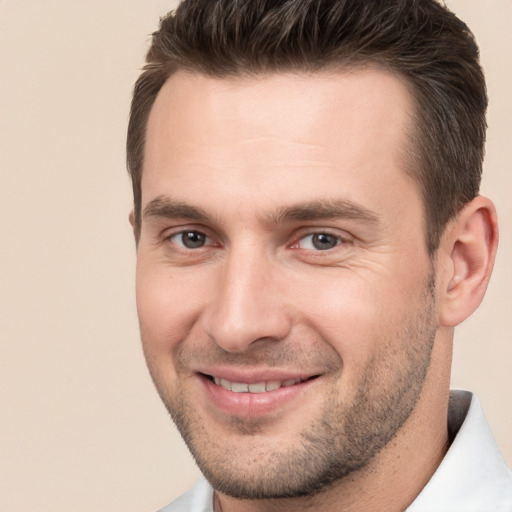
<point x="319" y="242"/>
<point x="189" y="239"/>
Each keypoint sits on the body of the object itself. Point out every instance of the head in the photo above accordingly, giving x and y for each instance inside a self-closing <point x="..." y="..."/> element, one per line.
<point x="308" y="234"/>
<point x="420" y="41"/>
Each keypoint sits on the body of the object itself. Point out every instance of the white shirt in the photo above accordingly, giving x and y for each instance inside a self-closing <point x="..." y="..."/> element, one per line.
<point x="472" y="477"/>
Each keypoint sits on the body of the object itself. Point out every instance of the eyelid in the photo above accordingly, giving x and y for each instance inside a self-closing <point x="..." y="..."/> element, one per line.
<point x="310" y="242"/>
<point x="212" y="240"/>
<point x="170" y="233"/>
<point x="341" y="236"/>
<point x="180" y="244"/>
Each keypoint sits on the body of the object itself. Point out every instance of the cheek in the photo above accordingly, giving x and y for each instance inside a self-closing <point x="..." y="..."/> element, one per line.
<point x="166" y="309"/>
<point x="358" y="315"/>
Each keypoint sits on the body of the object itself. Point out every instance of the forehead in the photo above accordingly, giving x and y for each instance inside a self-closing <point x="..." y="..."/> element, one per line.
<point x="285" y="137"/>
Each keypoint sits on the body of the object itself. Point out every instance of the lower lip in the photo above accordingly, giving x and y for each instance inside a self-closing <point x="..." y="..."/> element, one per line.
<point x="253" y="404"/>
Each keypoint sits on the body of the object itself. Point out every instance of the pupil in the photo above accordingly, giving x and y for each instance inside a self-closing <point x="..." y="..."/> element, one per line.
<point x="193" y="239"/>
<point x="323" y="241"/>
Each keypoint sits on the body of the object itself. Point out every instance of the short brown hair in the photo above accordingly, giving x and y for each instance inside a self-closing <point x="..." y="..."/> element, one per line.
<point x="420" y="40"/>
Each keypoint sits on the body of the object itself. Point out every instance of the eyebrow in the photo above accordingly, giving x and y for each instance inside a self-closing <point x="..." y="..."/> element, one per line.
<point x="325" y="209"/>
<point x="166" y="207"/>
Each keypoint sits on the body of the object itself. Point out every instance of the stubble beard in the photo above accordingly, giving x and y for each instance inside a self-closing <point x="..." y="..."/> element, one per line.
<point x="346" y="437"/>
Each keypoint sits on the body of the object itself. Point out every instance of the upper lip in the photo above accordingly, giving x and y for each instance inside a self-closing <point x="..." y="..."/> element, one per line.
<point x="250" y="375"/>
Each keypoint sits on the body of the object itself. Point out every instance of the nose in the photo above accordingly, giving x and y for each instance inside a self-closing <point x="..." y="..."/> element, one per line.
<point x="247" y="305"/>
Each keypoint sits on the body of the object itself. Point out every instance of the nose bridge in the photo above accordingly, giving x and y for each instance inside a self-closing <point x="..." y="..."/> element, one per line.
<point x="247" y="305"/>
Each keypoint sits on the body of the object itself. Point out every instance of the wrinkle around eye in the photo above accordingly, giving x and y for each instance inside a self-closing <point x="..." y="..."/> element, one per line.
<point x="173" y="251"/>
<point x="199" y="244"/>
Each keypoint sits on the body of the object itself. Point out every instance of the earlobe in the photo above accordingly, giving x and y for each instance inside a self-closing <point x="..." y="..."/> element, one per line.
<point x="131" y="218"/>
<point x="469" y="246"/>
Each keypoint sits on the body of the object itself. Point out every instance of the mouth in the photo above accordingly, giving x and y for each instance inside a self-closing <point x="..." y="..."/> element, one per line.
<point x="255" y="393"/>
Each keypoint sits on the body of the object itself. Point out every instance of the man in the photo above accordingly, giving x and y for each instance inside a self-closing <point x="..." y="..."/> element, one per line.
<point x="309" y="233"/>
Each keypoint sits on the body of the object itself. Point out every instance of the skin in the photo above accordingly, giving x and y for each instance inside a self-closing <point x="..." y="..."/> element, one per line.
<point x="254" y="169"/>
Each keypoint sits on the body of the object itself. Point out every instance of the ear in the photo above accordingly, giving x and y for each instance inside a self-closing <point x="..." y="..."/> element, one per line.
<point x="467" y="251"/>
<point x="135" y="226"/>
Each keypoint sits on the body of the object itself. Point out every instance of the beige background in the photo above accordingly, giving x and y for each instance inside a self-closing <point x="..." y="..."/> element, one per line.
<point x="81" y="426"/>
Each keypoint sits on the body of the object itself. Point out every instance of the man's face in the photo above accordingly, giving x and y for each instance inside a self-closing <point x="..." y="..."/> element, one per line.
<point x="284" y="291"/>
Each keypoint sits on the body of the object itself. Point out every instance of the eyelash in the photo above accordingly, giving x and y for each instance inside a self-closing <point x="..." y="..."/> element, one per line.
<point x="183" y="232"/>
<point x="339" y="240"/>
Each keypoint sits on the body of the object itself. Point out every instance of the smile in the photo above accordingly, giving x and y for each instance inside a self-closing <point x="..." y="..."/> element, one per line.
<point x="254" y="394"/>
<point x="257" y="387"/>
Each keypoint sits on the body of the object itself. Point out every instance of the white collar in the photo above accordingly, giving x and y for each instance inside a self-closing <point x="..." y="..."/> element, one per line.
<point x="473" y="476"/>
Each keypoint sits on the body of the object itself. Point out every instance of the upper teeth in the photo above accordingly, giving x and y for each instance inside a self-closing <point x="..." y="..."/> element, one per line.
<point x="257" y="387"/>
